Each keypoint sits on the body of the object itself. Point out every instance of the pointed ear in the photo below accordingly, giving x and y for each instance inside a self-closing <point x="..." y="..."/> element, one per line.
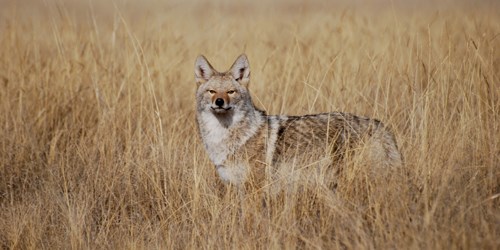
<point x="202" y="70"/>
<point x="241" y="70"/>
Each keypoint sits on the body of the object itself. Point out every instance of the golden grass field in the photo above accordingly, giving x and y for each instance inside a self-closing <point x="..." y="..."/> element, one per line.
<point x="99" y="146"/>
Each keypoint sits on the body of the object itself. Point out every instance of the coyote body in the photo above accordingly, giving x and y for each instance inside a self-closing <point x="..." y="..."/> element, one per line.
<point x="249" y="147"/>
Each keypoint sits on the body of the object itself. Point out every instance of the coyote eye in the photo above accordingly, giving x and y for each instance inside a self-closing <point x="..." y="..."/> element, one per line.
<point x="231" y="92"/>
<point x="212" y="91"/>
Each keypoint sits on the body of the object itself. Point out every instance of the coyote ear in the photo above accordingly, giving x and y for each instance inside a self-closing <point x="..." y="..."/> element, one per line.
<point x="241" y="70"/>
<point x="202" y="70"/>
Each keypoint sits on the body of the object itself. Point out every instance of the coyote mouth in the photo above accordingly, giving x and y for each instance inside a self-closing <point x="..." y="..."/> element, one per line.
<point x="220" y="109"/>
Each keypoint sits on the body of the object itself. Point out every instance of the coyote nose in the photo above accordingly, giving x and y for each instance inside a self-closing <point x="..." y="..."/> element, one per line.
<point x="219" y="102"/>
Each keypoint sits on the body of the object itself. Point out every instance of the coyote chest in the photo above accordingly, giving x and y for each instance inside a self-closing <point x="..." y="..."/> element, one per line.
<point x="218" y="149"/>
<point x="226" y="145"/>
<point x="215" y="137"/>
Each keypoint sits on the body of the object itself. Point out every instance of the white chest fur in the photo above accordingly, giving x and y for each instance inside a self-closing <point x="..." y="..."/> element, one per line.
<point x="224" y="136"/>
<point x="215" y="137"/>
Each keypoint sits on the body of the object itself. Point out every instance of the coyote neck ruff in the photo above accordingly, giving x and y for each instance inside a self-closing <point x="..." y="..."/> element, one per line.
<point x="246" y="145"/>
<point x="224" y="133"/>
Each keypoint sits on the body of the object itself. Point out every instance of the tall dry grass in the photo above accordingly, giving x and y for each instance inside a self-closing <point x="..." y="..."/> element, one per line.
<point x="99" y="147"/>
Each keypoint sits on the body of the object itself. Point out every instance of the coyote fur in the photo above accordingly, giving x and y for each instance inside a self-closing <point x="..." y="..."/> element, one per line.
<point x="249" y="147"/>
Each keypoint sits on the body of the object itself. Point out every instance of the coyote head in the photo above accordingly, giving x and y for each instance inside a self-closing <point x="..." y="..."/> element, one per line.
<point x="222" y="93"/>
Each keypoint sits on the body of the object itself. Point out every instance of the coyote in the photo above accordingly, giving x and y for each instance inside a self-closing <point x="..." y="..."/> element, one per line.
<point x="249" y="147"/>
